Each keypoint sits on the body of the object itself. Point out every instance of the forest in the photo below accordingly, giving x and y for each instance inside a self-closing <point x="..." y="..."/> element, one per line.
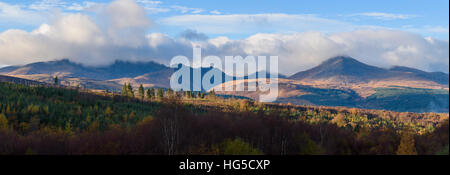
<point x="54" y="120"/>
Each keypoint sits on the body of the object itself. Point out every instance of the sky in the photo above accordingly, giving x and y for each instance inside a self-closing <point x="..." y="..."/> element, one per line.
<point x="410" y="33"/>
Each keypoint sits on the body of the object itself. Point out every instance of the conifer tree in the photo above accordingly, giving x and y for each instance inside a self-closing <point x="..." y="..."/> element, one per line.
<point x="141" y="92"/>
<point x="170" y="92"/>
<point x="125" y="90"/>
<point x="151" y="93"/>
<point x="55" y="80"/>
<point x="130" y="91"/>
<point x="160" y="93"/>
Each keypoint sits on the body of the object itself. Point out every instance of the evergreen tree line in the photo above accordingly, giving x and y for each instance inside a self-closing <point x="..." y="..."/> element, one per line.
<point x="159" y="93"/>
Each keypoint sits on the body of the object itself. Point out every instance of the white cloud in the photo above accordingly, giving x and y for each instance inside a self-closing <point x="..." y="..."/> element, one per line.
<point x="120" y="33"/>
<point x="149" y="2"/>
<point x="127" y="23"/>
<point x="91" y="46"/>
<point x="215" y="12"/>
<point x="387" y="47"/>
<point x="74" y="28"/>
<point x="153" y="7"/>
<point x="75" y="7"/>
<point x="126" y="13"/>
<point x="385" y="16"/>
<point x="249" y="23"/>
<point x="15" y="14"/>
<point x="427" y="29"/>
<point x="437" y="29"/>
<point x="184" y="9"/>
<point x="154" y="10"/>
<point x="46" y="4"/>
<point x="80" y="7"/>
<point x="301" y="51"/>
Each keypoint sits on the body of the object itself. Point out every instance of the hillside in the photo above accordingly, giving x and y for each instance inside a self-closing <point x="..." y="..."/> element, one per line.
<point x="338" y="81"/>
<point x="342" y="69"/>
<point x="437" y="77"/>
<point x="118" y="69"/>
<point x="344" y="81"/>
<point x="102" y="77"/>
<point x="19" y="80"/>
<point x="338" y="71"/>
<point x="49" y="120"/>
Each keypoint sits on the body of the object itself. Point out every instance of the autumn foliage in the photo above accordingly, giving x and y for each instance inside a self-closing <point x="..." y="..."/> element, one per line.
<point x="50" y="120"/>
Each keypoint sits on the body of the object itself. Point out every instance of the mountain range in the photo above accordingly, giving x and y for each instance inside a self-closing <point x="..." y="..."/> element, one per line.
<point x="104" y="77"/>
<point x="338" y="81"/>
<point x="349" y="70"/>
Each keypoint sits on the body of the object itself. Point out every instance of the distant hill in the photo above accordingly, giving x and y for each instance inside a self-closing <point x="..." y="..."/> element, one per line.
<point x="438" y="77"/>
<point x="113" y="76"/>
<point x="118" y="69"/>
<point x="103" y="77"/>
<point x="350" y="70"/>
<point x="342" y="69"/>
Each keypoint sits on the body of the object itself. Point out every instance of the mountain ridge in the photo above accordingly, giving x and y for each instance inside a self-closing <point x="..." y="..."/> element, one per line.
<point x="349" y="70"/>
<point x="112" y="71"/>
<point x="340" y="68"/>
<point x="338" y="81"/>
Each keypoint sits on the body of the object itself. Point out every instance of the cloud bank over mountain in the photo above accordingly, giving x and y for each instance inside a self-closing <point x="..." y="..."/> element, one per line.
<point x="118" y="31"/>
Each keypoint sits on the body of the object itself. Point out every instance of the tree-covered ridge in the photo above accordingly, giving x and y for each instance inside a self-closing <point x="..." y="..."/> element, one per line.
<point x="29" y="107"/>
<point x="50" y="120"/>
